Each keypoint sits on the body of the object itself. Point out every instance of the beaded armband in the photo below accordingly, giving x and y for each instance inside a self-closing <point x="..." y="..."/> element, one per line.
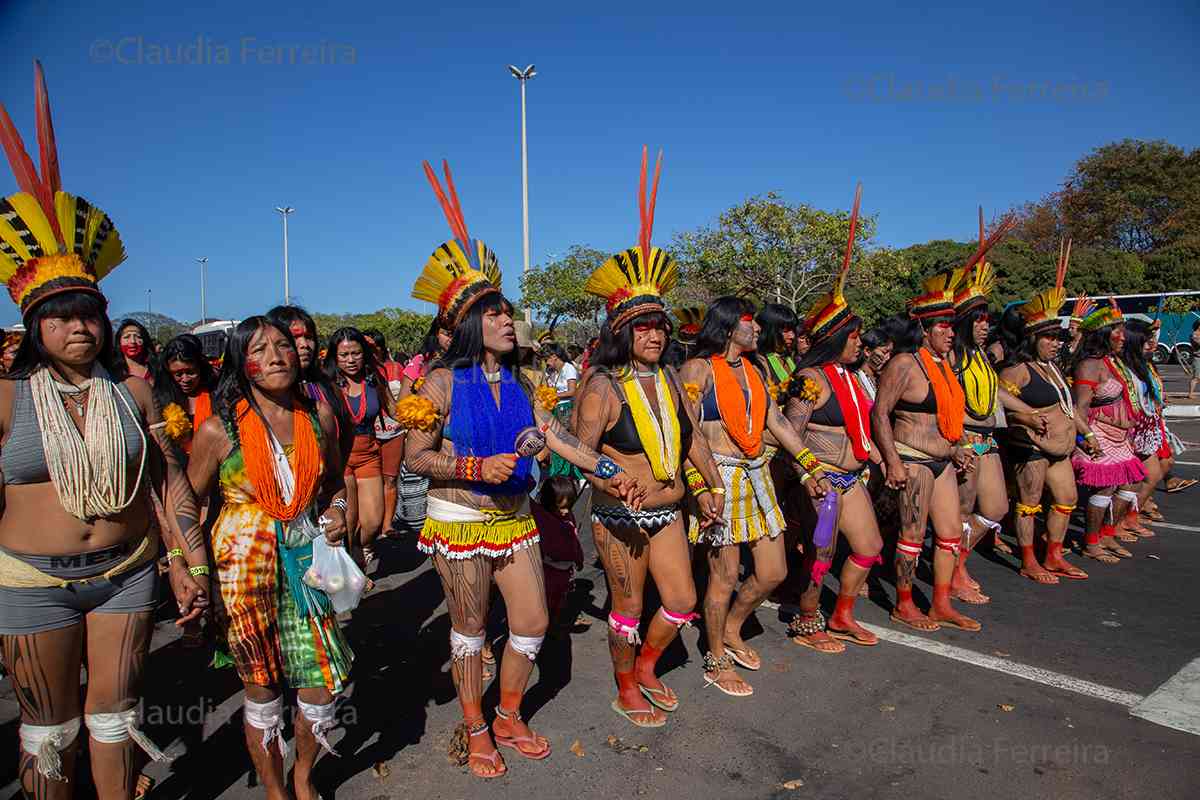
<point x="200" y="570"/>
<point x="695" y="482"/>
<point x="468" y="468"/>
<point x="810" y="464"/>
<point x="174" y="552"/>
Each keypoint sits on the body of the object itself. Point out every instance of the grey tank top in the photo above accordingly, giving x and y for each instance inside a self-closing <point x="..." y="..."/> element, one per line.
<point x="23" y="458"/>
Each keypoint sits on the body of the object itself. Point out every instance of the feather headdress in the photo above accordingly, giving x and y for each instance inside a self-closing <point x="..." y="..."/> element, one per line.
<point x="691" y="320"/>
<point x="1042" y="309"/>
<point x="976" y="286"/>
<point x="461" y="271"/>
<point x="50" y="241"/>
<point x="936" y="300"/>
<point x="1103" y="317"/>
<point x="830" y="312"/>
<point x="634" y="281"/>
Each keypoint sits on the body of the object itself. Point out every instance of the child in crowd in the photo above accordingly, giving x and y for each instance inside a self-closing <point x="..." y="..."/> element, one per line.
<point x="562" y="553"/>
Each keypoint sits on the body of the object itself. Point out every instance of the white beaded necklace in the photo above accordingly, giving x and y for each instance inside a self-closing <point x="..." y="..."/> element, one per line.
<point x="1059" y="383"/>
<point x="89" y="472"/>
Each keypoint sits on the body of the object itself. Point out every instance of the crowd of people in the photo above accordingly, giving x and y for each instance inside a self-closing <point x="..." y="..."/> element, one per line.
<point x="704" y="434"/>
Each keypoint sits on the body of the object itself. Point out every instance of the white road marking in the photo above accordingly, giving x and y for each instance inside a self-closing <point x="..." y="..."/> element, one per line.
<point x="1188" y="463"/>
<point x="1175" y="704"/>
<point x="1174" y="526"/>
<point x="1017" y="669"/>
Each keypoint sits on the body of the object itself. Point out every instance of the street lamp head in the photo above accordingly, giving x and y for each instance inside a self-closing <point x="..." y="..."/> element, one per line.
<point x="285" y="210"/>
<point x="202" y="260"/>
<point x="522" y="74"/>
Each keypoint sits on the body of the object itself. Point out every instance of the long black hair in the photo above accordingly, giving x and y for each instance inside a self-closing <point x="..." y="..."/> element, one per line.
<point x="118" y="358"/>
<point x="719" y="323"/>
<point x="186" y="348"/>
<point x="349" y="334"/>
<point x="773" y="320"/>
<point x="829" y="349"/>
<point x="466" y="346"/>
<point x="233" y="384"/>
<point x="32" y="355"/>
<point x="614" y="351"/>
<point x="1095" y="344"/>
<point x="1137" y="333"/>
<point x="430" y="346"/>
<point x="964" y="335"/>
<point x="910" y="335"/>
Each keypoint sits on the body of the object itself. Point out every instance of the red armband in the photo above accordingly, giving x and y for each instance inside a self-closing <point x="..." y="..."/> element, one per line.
<point x="1086" y="382"/>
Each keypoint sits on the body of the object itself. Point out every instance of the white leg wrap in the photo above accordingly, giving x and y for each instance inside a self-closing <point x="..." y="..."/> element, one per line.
<point x="678" y="620"/>
<point x="45" y="742"/>
<point x="268" y="718"/>
<point x="121" y="726"/>
<point x="462" y="645"/>
<point x="527" y="646"/>
<point x="1100" y="501"/>
<point x="987" y="523"/>
<point x="321" y="717"/>
<point x="1129" y="497"/>
<point x="625" y="627"/>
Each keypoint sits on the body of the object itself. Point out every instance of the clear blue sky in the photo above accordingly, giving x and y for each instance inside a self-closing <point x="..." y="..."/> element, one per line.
<point x="190" y="159"/>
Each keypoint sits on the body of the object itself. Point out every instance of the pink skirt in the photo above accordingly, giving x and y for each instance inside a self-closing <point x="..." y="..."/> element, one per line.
<point x="1117" y="464"/>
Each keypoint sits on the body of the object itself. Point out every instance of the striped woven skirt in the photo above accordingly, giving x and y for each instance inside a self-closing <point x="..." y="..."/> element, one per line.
<point x="751" y="509"/>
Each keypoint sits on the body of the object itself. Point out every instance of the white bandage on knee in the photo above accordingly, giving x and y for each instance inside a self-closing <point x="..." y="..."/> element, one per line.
<point x="678" y="620"/>
<point x="45" y="742"/>
<point x="268" y="718"/>
<point x="527" y="646"/>
<point x="321" y="717"/>
<point x="1129" y="497"/>
<point x="1100" y="501"/>
<point x="462" y="645"/>
<point x="121" y="726"/>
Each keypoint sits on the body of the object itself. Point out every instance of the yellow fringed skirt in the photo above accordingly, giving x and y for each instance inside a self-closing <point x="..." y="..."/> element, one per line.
<point x="457" y="532"/>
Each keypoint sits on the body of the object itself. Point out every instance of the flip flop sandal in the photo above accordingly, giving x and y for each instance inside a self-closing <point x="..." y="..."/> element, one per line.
<point x="714" y="682"/>
<point x="802" y="640"/>
<point x="936" y="625"/>
<point x="652" y="694"/>
<point x="1073" y="572"/>
<point x="492" y="758"/>
<point x="1153" y="514"/>
<point x="1125" y="536"/>
<point x="1119" y="552"/>
<point x="1180" y="484"/>
<point x="741" y="657"/>
<point x="1111" y="557"/>
<point x="1026" y="574"/>
<point x="649" y="721"/>
<point x="951" y="623"/>
<point x="850" y="636"/>
<point x="515" y="743"/>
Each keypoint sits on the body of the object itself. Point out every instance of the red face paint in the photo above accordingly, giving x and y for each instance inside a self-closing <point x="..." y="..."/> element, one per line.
<point x="253" y="369"/>
<point x="297" y="329"/>
<point x="747" y="318"/>
<point x="133" y="350"/>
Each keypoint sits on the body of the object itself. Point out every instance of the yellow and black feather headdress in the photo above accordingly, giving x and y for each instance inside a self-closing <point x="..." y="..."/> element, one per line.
<point x="976" y="287"/>
<point x="634" y="281"/>
<point x="461" y="271"/>
<point x="936" y="300"/>
<point x="831" y="311"/>
<point x="1041" y="311"/>
<point x="50" y="241"/>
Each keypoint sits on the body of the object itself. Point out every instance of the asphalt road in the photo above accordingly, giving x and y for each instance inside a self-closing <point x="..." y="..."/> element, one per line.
<point x="893" y="721"/>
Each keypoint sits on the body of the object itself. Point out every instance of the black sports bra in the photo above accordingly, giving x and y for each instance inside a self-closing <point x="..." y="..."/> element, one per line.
<point x="623" y="436"/>
<point x="926" y="406"/>
<point x="1039" y="392"/>
<point x="829" y="414"/>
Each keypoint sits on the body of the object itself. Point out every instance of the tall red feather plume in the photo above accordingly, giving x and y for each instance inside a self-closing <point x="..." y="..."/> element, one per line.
<point x="853" y="226"/>
<point x="454" y="217"/>
<point x="18" y="158"/>
<point x="1064" y="258"/>
<point x="981" y="230"/>
<point x="1006" y="225"/>
<point x="650" y="210"/>
<point x="47" y="149"/>
<point x="643" y="240"/>
<point x="458" y="213"/>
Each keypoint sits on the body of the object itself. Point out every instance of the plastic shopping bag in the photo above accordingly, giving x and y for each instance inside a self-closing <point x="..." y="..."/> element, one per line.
<point x="334" y="572"/>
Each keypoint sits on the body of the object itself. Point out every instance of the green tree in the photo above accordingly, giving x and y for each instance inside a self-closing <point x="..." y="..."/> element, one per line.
<point x="554" y="291"/>
<point x="403" y="329"/>
<point x="766" y="248"/>
<point x="1175" y="267"/>
<point x="1133" y="196"/>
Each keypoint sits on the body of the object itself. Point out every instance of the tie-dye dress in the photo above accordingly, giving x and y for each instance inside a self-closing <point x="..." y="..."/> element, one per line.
<point x="270" y="642"/>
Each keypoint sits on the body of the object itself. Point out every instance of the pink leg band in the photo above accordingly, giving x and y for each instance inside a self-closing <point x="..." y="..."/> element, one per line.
<point x="678" y="620"/>
<point x="819" y="568"/>
<point x="911" y="550"/>
<point x="865" y="562"/>
<point x="949" y="545"/>
<point x="624" y="627"/>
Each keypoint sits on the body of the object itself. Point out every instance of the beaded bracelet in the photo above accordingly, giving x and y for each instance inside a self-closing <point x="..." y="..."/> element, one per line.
<point x="606" y="468"/>
<point x="200" y="570"/>
<point x="174" y="552"/>
<point x="695" y="482"/>
<point x="468" y="468"/>
<point x="807" y="460"/>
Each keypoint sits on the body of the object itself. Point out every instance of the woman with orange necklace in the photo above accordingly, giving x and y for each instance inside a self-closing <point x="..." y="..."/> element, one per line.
<point x="183" y="386"/>
<point x="133" y="344"/>
<point x="727" y="389"/>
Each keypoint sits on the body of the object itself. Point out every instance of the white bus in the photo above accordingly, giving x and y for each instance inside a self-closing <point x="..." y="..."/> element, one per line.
<point x="213" y="336"/>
